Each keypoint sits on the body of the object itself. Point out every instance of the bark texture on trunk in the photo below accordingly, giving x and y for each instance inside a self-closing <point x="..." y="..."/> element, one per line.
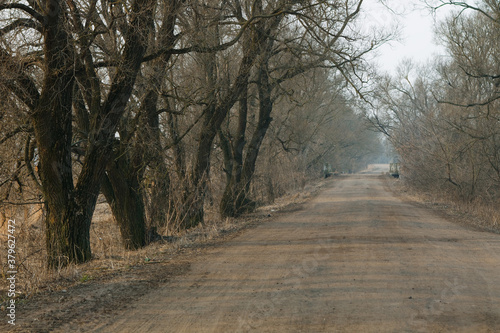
<point x="235" y="200"/>
<point x="70" y="208"/>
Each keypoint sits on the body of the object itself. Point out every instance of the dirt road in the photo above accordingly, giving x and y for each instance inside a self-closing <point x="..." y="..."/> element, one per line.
<point x="355" y="259"/>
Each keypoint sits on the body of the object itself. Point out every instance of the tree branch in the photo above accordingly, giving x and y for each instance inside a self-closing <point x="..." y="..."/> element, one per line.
<point x="22" y="128"/>
<point x="28" y="10"/>
<point x="22" y="22"/>
<point x="470" y="104"/>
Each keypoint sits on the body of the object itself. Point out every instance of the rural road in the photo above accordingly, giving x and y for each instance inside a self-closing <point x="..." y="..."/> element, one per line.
<point x="354" y="259"/>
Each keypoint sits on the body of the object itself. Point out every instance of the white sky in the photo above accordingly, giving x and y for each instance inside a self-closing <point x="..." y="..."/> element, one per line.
<point x="417" y="31"/>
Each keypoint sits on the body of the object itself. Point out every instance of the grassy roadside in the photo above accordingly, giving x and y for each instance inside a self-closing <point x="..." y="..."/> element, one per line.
<point x="117" y="276"/>
<point x="475" y="215"/>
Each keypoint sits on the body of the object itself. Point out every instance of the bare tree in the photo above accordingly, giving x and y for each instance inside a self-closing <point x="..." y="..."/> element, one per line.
<point x="128" y="98"/>
<point x="69" y="206"/>
<point x="307" y="40"/>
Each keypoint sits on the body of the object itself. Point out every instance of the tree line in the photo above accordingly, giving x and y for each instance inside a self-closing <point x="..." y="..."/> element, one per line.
<point x="443" y="118"/>
<point x="165" y="106"/>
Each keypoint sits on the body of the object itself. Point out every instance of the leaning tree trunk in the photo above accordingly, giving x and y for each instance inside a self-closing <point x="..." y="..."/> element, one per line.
<point x="212" y="124"/>
<point x="123" y="188"/>
<point x="235" y="200"/>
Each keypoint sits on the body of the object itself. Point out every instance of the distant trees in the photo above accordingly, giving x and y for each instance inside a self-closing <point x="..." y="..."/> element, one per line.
<point x="288" y="52"/>
<point x="444" y="122"/>
<point x="148" y="101"/>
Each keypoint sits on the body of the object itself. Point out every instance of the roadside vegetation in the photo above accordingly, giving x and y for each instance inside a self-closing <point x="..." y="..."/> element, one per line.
<point x="137" y="126"/>
<point x="127" y="122"/>
<point x="443" y="118"/>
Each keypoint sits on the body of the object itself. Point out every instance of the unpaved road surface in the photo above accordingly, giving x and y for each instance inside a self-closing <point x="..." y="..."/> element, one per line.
<point x="354" y="259"/>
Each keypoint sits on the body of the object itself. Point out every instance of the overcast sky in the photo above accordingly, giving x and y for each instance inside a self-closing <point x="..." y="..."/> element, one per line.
<point x="417" y="31"/>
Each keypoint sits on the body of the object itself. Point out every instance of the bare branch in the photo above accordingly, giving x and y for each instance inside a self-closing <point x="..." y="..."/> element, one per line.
<point x="21" y="23"/>
<point x="28" y="10"/>
<point x="20" y="129"/>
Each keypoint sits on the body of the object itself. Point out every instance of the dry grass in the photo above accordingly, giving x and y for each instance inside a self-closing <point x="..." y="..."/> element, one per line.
<point x="108" y="252"/>
<point x="478" y="214"/>
<point x="107" y="249"/>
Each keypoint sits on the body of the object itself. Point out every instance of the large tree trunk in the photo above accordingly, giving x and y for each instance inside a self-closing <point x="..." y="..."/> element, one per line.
<point x="160" y="210"/>
<point x="125" y="174"/>
<point x="66" y="238"/>
<point x="122" y="190"/>
<point x="235" y="200"/>
<point x="70" y="208"/>
<point x="149" y="140"/>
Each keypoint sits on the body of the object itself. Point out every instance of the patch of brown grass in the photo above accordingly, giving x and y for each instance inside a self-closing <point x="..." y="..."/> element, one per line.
<point x="477" y="214"/>
<point x="109" y="255"/>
